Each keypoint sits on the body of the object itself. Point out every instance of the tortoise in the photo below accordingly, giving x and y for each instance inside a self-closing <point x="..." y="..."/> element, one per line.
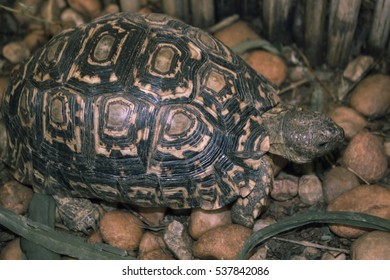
<point x="152" y="112"/>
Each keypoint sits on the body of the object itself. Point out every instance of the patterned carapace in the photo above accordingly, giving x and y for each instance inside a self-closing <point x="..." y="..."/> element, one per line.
<point x="143" y="110"/>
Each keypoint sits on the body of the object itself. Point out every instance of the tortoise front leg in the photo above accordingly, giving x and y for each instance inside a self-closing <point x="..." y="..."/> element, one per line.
<point x="78" y="214"/>
<point x="246" y="209"/>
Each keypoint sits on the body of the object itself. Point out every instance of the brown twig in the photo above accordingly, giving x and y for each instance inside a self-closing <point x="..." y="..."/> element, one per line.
<point x="293" y="85"/>
<point x="358" y="175"/>
<point x="311" y="244"/>
<point x="24" y="13"/>
<point x="311" y="70"/>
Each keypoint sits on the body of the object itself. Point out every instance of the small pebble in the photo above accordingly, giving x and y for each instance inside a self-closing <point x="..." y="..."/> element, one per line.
<point x="71" y="18"/>
<point x="387" y="147"/>
<point x="357" y="67"/>
<point x="260" y="254"/>
<point x="236" y="33"/>
<point x="12" y="251"/>
<point x="311" y="253"/>
<point x="371" y="97"/>
<point x="374" y="245"/>
<point x="349" y="120"/>
<point x="333" y="256"/>
<point x="130" y="5"/>
<point x="284" y="188"/>
<point x="51" y="12"/>
<point x="121" y="229"/>
<point x="95" y="238"/>
<point x="298" y="258"/>
<point x="35" y="39"/>
<point x="151" y="241"/>
<point x="61" y="4"/>
<point x="15" y="197"/>
<point x="267" y="64"/>
<point x="178" y="241"/>
<point x="157" y="254"/>
<point x="111" y="9"/>
<point x="310" y="189"/>
<point x="16" y="52"/>
<point x="222" y="243"/>
<point x="88" y="8"/>
<point x="365" y="155"/>
<point x="204" y="220"/>
<point x="369" y="199"/>
<point x="262" y="223"/>
<point x="154" y="215"/>
<point x="337" y="181"/>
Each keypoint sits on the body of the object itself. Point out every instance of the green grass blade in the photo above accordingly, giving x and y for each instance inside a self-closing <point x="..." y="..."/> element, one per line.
<point x="344" y="218"/>
<point x="59" y="242"/>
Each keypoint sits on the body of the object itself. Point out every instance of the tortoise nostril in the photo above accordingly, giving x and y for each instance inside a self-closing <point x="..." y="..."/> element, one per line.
<point x="322" y="145"/>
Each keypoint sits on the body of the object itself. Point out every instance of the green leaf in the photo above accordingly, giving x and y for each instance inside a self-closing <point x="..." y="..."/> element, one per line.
<point x="59" y="242"/>
<point x="344" y="218"/>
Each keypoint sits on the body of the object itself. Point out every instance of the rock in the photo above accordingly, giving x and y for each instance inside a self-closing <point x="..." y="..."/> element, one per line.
<point x="16" y="52"/>
<point x="95" y="238"/>
<point x="222" y="243"/>
<point x="12" y="251"/>
<point x="35" y="39"/>
<point x="387" y="147"/>
<point x="357" y="67"/>
<point x="15" y="196"/>
<point x="262" y="223"/>
<point x="310" y="189"/>
<point x="337" y="181"/>
<point x="260" y="254"/>
<point x="130" y="5"/>
<point x="151" y="241"/>
<point x="121" y="229"/>
<point x="153" y="215"/>
<point x="204" y="220"/>
<point x="311" y="253"/>
<point x="267" y="64"/>
<point x="284" y="188"/>
<point x="333" y="256"/>
<point x="50" y="12"/>
<point x="371" y="97"/>
<point x="369" y="199"/>
<point x="157" y="254"/>
<point x="365" y="155"/>
<point x="178" y="240"/>
<point x="89" y="8"/>
<point x="349" y="120"/>
<point x="111" y="9"/>
<point x="374" y="245"/>
<point x="71" y="18"/>
<point x="236" y="33"/>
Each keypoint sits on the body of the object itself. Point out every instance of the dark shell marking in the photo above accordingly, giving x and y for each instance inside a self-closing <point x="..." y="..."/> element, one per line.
<point x="142" y="110"/>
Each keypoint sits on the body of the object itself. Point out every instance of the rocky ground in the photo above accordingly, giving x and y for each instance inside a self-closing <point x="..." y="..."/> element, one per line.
<point x="353" y="178"/>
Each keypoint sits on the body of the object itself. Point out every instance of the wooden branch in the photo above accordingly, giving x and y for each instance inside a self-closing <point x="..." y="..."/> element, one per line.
<point x="342" y="25"/>
<point x="380" y="28"/>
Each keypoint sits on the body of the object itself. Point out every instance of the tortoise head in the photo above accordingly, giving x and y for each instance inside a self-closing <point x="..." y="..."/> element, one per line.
<point x="301" y="136"/>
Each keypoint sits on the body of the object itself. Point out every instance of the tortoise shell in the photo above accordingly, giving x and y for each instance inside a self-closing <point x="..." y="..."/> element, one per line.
<point x="138" y="109"/>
